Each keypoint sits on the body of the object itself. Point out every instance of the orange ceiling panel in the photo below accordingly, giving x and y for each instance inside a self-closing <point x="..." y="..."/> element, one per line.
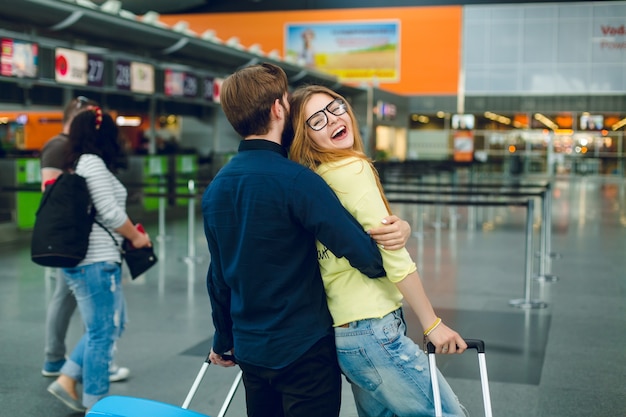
<point x="430" y="38"/>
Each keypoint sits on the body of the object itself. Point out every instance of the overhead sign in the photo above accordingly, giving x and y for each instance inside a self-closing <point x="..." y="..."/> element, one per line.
<point x="207" y="91"/>
<point x="18" y="58"/>
<point x="95" y="70"/>
<point x="217" y="89"/>
<point x="174" y="83"/>
<point x="385" y="111"/>
<point x="70" y="66"/>
<point x="141" y="77"/>
<point x="463" y="146"/>
<point x="190" y="85"/>
<point x="463" y="121"/>
<point x="122" y="75"/>
<point x="181" y="84"/>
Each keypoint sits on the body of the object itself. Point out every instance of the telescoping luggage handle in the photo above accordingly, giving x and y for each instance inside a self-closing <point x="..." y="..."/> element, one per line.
<point x="198" y="380"/>
<point x="479" y="345"/>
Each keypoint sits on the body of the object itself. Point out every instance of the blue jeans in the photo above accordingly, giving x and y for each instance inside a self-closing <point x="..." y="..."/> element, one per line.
<point x="388" y="372"/>
<point x="98" y="291"/>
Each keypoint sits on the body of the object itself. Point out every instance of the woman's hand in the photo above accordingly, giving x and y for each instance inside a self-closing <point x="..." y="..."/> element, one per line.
<point x="135" y="234"/>
<point x="393" y="235"/>
<point x="446" y="340"/>
<point x="141" y="240"/>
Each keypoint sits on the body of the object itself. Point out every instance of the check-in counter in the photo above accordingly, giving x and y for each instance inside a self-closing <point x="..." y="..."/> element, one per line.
<point x="155" y="177"/>
<point x="186" y="168"/>
<point x="21" y="195"/>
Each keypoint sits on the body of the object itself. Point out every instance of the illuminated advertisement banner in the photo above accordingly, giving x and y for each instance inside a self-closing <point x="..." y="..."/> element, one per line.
<point x="18" y="58"/>
<point x="463" y="145"/>
<point x="179" y="84"/>
<point x="141" y="77"/>
<point x="351" y="51"/>
<point x="217" y="89"/>
<point x="207" y="91"/>
<point x="70" y="66"/>
<point x="174" y="83"/>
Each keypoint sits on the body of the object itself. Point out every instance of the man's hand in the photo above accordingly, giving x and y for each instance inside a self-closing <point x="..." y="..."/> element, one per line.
<point x="220" y="360"/>
<point x="393" y="235"/>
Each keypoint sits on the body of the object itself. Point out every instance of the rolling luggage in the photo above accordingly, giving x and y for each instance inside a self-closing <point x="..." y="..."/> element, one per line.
<point x="479" y="345"/>
<point x="120" y="406"/>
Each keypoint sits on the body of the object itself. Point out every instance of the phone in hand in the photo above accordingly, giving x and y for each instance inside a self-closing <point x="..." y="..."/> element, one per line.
<point x="140" y="228"/>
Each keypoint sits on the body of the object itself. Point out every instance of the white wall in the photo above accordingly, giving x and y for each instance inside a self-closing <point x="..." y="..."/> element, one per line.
<point x="555" y="48"/>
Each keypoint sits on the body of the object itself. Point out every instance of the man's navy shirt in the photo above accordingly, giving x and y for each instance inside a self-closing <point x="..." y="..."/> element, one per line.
<point x="262" y="215"/>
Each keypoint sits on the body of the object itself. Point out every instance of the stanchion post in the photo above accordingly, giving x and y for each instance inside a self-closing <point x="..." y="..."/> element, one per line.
<point x="161" y="236"/>
<point x="471" y="218"/>
<point x="438" y="223"/>
<point x="191" y="226"/>
<point x="420" y="221"/>
<point x="527" y="302"/>
<point x="162" y="217"/>
<point x="544" y="276"/>
<point x="551" y="255"/>
<point x="453" y="217"/>
<point x="191" y="257"/>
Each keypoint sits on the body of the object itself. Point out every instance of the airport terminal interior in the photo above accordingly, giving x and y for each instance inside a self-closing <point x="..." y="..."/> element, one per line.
<point x="558" y="351"/>
<point x="503" y="145"/>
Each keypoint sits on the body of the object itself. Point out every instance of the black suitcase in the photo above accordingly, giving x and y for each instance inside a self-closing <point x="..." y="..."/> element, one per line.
<point x="479" y="345"/>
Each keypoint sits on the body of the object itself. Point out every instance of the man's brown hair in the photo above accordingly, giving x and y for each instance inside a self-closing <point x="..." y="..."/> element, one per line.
<point x="248" y="94"/>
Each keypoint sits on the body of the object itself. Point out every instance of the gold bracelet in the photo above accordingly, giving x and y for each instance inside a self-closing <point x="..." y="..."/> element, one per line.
<point x="432" y="327"/>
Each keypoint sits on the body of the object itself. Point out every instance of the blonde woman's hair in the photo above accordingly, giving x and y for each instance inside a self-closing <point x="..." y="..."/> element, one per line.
<point x="307" y="152"/>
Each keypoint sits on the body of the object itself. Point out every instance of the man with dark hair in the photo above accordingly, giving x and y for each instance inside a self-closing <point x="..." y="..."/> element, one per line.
<point x="262" y="216"/>
<point x="63" y="304"/>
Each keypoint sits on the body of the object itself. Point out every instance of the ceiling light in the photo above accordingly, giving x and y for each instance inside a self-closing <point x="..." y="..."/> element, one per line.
<point x="547" y="122"/>
<point x="181" y="26"/>
<point x="111" y="6"/>
<point x="256" y="49"/>
<point x="619" y="124"/>
<point x="152" y="18"/>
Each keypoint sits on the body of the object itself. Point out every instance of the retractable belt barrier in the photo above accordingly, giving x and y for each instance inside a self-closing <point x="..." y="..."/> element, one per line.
<point x="526" y="302"/>
<point x="471" y="185"/>
<point x="191" y="195"/>
<point x="544" y="193"/>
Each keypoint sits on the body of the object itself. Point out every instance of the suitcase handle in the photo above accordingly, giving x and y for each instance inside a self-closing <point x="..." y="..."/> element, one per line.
<point x="226" y="357"/>
<point x="477" y="344"/>
<point x="200" y="376"/>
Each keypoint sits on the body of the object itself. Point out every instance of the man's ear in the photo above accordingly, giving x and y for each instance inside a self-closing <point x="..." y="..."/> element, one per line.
<point x="278" y="112"/>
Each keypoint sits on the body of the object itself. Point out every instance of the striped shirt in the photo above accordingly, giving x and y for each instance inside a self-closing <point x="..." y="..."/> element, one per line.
<point x="109" y="198"/>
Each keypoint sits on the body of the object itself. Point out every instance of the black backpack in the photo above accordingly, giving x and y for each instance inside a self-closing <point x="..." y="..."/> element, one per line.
<point x="63" y="223"/>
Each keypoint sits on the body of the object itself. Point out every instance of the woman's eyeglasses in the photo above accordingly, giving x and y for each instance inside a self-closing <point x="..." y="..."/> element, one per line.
<point x="319" y="119"/>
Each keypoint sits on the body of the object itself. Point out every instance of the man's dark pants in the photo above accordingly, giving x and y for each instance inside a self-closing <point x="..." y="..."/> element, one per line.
<point x="308" y="387"/>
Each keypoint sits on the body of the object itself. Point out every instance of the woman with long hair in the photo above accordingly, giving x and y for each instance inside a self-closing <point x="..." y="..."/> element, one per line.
<point x="388" y="372"/>
<point x="95" y="154"/>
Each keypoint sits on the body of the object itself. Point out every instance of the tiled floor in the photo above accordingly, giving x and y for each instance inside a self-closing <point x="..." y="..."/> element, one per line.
<point x="564" y="360"/>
